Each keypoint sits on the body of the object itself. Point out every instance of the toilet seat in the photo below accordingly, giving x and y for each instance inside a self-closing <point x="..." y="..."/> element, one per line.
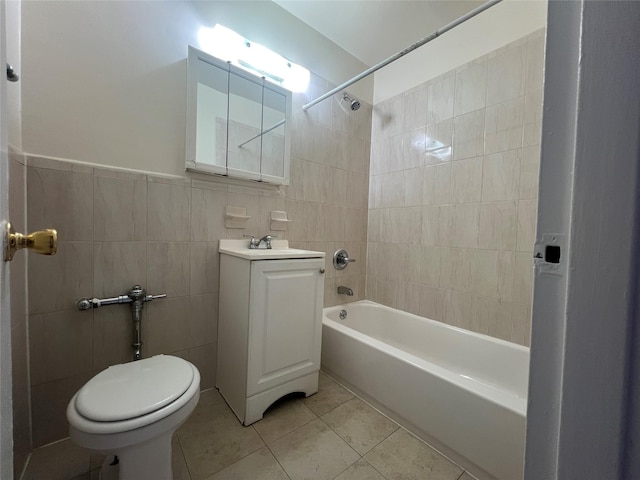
<point x="132" y="395"/>
<point x="130" y="390"/>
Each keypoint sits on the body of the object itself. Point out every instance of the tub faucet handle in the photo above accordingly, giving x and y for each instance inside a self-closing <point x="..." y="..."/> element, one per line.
<point x="341" y="259"/>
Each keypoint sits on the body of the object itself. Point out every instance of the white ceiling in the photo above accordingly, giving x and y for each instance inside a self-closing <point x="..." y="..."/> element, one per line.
<point x="372" y="30"/>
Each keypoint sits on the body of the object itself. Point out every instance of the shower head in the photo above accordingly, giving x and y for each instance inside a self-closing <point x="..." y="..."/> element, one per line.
<point x="353" y="104"/>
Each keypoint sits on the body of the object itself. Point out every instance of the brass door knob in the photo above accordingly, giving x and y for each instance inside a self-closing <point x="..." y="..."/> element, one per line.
<point x="44" y="242"/>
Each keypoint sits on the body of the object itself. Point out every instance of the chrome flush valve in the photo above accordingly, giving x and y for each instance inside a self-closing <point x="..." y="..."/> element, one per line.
<point x="137" y="297"/>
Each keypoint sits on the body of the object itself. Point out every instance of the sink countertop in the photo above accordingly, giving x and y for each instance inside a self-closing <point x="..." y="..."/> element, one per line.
<point x="279" y="250"/>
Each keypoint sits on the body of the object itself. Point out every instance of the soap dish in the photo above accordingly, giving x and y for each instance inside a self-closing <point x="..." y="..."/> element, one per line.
<point x="236" y="217"/>
<point x="279" y="220"/>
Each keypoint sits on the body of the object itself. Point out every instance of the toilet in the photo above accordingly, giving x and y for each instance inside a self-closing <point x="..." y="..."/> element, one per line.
<point x="131" y="411"/>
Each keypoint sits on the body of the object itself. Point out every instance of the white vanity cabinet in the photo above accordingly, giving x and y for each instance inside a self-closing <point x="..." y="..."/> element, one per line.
<point x="269" y="330"/>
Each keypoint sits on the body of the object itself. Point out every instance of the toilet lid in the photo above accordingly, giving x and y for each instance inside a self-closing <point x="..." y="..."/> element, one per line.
<point x="134" y="389"/>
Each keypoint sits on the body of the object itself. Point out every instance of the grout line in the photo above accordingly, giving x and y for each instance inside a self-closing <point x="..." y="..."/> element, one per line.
<point x="379" y="472"/>
<point x="186" y="464"/>
<point x="278" y="461"/>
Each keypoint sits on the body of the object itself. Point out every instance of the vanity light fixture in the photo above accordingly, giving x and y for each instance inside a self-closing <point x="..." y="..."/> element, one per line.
<point x="226" y="44"/>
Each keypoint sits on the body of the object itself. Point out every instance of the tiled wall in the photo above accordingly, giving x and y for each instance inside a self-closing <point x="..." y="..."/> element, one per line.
<point x="330" y="154"/>
<point x="117" y="228"/>
<point x="453" y="193"/>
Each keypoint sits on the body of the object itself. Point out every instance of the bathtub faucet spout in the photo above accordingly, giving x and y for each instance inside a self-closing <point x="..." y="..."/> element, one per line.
<point x="345" y="291"/>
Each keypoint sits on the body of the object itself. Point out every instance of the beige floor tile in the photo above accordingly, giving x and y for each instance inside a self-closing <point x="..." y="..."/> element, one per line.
<point x="313" y="452"/>
<point x="210" y="412"/>
<point x="402" y="456"/>
<point x="360" y="425"/>
<point x="361" y="470"/>
<point x="330" y="395"/>
<point x="216" y="444"/>
<point x="260" y="465"/>
<point x="62" y="460"/>
<point x="209" y="407"/>
<point x="283" y="417"/>
<point x="467" y="476"/>
<point x="180" y="470"/>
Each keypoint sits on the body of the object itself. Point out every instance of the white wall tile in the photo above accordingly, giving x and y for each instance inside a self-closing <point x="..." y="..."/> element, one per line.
<point x="497" y="228"/>
<point x="440" y="97"/>
<point x="430" y="225"/>
<point x="436" y="187"/>
<point x="506" y="73"/>
<point x="207" y="214"/>
<point x="432" y="303"/>
<point x="61" y="200"/>
<point x="466" y="180"/>
<point x="527" y="220"/>
<point x="448" y="231"/>
<point x="57" y="281"/>
<point x="504" y="126"/>
<point x="438" y="142"/>
<point x="168" y="212"/>
<point x="415" y="107"/>
<point x="529" y="172"/>
<point x="501" y="176"/>
<point x="461" y="263"/>
<point x="523" y="278"/>
<point x="464" y="224"/>
<point x="468" y="135"/>
<point x="413" y="144"/>
<point x="471" y="87"/>
<point x="409" y="295"/>
<point x="521" y="320"/>
<point x="532" y="134"/>
<point x="168" y="268"/>
<point x="120" y="207"/>
<point x="117" y="267"/>
<point x="506" y="273"/>
<point x="493" y="317"/>
<point x="429" y="265"/>
<point x="458" y="309"/>
<point x="535" y="61"/>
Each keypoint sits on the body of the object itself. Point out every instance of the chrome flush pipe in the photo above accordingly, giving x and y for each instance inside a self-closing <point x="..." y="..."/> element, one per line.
<point x="137" y="297"/>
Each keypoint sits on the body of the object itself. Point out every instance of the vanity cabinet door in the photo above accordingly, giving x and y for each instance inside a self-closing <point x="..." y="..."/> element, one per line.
<point x="285" y="326"/>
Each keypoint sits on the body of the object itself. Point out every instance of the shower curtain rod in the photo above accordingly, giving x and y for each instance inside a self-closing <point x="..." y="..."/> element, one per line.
<point x="402" y="53"/>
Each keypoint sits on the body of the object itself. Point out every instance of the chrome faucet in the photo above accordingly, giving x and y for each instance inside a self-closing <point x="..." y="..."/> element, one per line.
<point x="254" y="243"/>
<point x="267" y="241"/>
<point x="345" y="291"/>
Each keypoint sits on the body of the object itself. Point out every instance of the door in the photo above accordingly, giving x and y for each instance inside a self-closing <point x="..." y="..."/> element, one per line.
<point x="285" y="325"/>
<point x="6" y="410"/>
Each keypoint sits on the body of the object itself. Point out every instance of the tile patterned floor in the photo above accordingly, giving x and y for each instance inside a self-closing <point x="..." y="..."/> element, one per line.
<point x="332" y="435"/>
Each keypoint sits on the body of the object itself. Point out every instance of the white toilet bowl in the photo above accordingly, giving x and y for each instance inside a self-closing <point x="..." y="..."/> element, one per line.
<point x="131" y="410"/>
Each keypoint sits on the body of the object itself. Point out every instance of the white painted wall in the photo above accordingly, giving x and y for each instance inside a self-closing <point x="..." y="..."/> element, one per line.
<point x="12" y="14"/>
<point x="105" y="82"/>
<point x="501" y="24"/>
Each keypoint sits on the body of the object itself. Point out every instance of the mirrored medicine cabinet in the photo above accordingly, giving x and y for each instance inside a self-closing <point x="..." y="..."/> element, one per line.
<point x="238" y="124"/>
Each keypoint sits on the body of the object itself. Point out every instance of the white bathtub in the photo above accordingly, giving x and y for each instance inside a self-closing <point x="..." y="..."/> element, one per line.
<point x="462" y="392"/>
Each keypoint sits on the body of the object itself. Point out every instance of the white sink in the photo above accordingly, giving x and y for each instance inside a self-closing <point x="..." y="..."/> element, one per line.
<point x="279" y="250"/>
